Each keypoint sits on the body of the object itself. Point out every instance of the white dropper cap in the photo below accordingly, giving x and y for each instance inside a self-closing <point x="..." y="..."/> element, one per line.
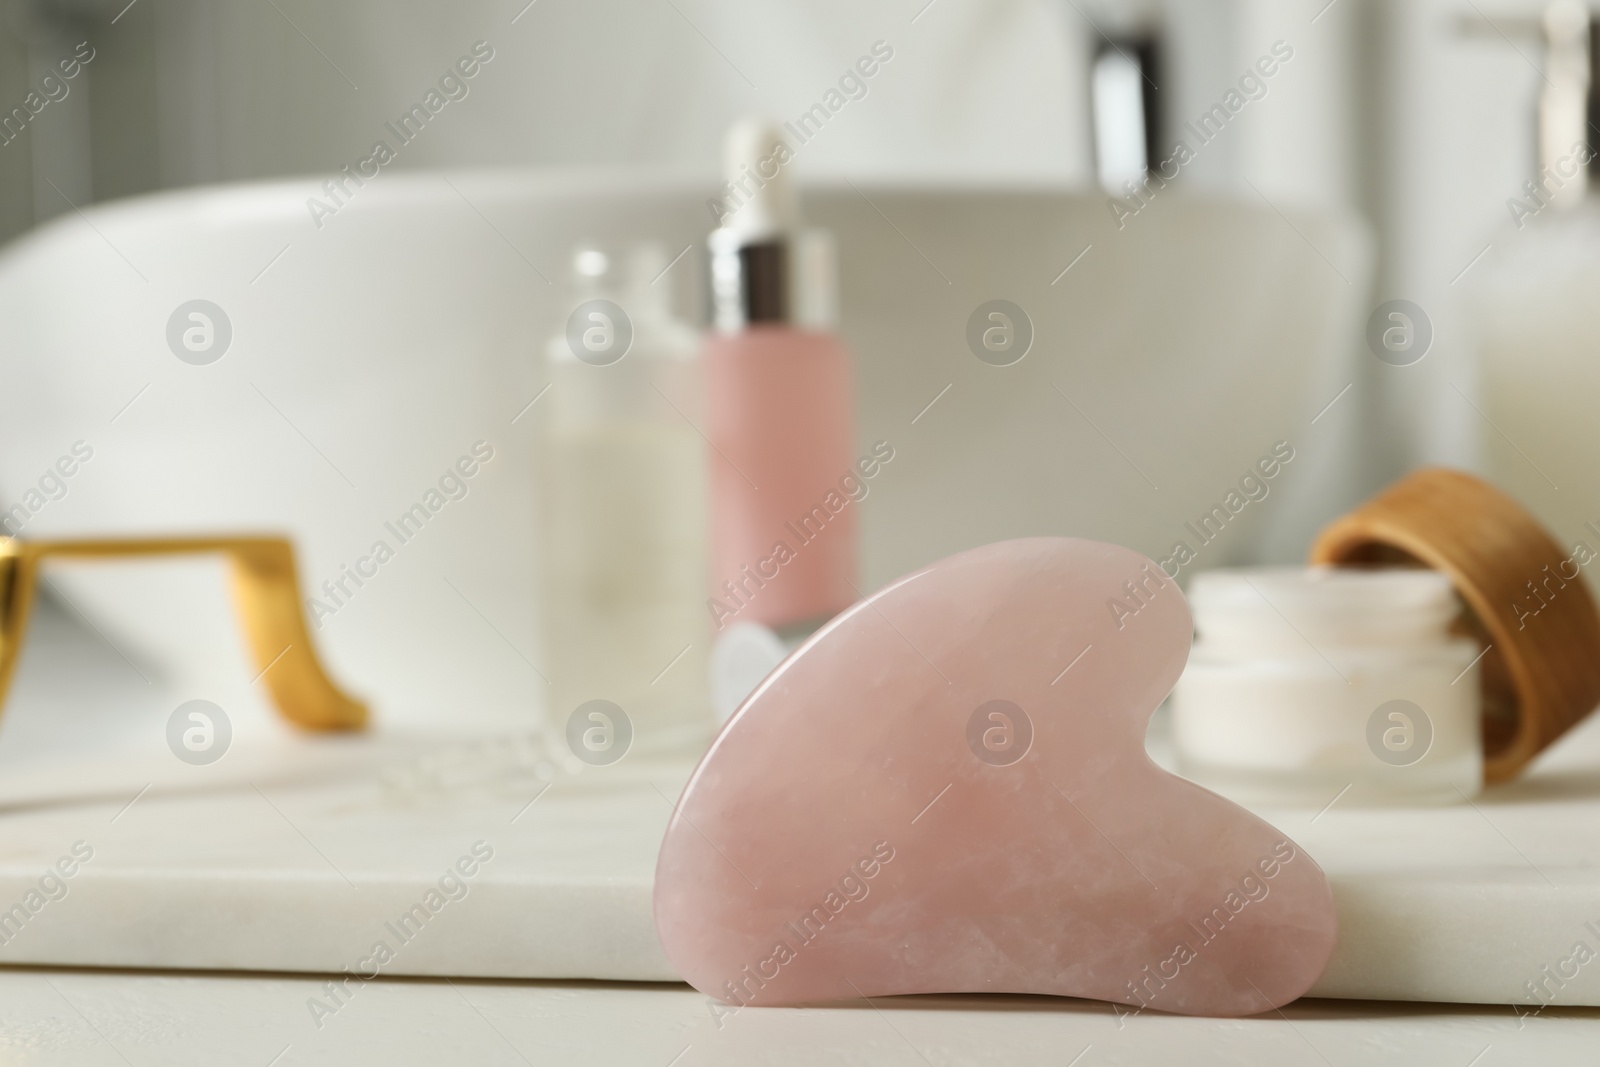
<point x="758" y="199"/>
<point x="764" y="267"/>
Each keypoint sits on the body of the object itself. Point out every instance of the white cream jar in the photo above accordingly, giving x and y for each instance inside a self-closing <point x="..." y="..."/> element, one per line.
<point x="1307" y="684"/>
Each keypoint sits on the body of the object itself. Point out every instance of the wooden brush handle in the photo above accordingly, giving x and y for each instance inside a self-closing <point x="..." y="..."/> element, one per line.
<point x="1526" y="599"/>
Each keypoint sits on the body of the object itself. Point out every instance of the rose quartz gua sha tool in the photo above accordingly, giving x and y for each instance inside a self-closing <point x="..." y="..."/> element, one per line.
<point x="946" y="790"/>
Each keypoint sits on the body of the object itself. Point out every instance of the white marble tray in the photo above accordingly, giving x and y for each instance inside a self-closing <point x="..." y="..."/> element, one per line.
<point x="1455" y="904"/>
<point x="301" y="855"/>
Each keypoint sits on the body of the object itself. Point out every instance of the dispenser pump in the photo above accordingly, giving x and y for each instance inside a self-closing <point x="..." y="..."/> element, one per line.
<point x="1569" y="94"/>
<point x="1567" y="98"/>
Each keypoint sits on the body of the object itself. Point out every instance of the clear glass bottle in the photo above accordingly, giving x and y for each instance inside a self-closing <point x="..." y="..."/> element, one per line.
<point x="622" y="502"/>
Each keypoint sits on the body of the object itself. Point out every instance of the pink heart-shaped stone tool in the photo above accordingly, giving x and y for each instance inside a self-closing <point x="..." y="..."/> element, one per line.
<point x="946" y="790"/>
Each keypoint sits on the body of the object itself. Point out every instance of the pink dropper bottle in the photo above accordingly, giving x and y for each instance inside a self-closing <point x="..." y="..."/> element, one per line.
<point x="781" y="404"/>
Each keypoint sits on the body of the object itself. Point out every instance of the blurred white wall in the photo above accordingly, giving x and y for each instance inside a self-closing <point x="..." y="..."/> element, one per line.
<point x="192" y="91"/>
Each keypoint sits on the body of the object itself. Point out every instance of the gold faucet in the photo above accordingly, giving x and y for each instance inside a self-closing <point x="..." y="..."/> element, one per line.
<point x="266" y="591"/>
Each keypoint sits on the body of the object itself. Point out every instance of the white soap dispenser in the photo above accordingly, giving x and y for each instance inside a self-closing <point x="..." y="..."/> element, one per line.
<point x="1537" y="305"/>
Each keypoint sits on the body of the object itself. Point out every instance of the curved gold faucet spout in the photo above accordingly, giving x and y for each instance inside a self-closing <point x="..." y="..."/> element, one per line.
<point x="266" y="589"/>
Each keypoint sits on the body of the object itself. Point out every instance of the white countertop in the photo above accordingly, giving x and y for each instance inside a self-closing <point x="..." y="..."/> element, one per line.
<point x="77" y="1017"/>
